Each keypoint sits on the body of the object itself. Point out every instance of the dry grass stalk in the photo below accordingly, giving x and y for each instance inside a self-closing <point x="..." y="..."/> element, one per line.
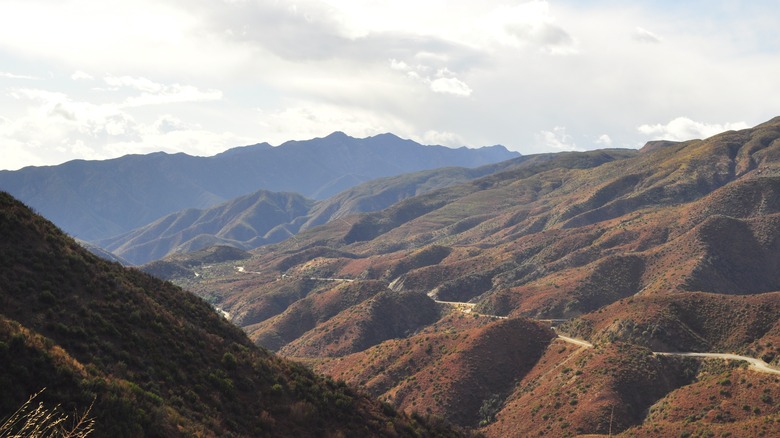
<point x="31" y="421"/>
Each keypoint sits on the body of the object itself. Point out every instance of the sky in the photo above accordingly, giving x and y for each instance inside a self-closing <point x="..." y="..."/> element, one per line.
<point x="88" y="79"/>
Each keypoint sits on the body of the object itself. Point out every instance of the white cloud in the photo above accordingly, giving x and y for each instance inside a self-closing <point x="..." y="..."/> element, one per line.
<point x="15" y="154"/>
<point x="645" y="36"/>
<point x="604" y="140"/>
<point x="443" y="82"/>
<point x="54" y="117"/>
<point x="556" y="140"/>
<point x="192" y="141"/>
<point x="399" y="65"/>
<point x="57" y="127"/>
<point x="450" y="86"/>
<point x="88" y="31"/>
<point x="188" y="68"/>
<point x="546" y="35"/>
<point x="81" y="75"/>
<point x="80" y="148"/>
<point x="440" y="138"/>
<point x="529" y="24"/>
<point x="683" y="128"/>
<point x="303" y="120"/>
<point x="4" y="74"/>
<point x="141" y="84"/>
<point x="154" y="93"/>
<point x="173" y="94"/>
<point x="168" y="123"/>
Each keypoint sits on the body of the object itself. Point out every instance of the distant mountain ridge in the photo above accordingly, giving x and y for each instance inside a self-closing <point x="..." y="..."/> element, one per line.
<point x="245" y="222"/>
<point x="95" y="200"/>
<point x="265" y="217"/>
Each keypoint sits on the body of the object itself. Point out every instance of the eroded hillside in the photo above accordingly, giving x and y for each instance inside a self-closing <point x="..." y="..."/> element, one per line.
<point x="149" y="358"/>
<point x="672" y="249"/>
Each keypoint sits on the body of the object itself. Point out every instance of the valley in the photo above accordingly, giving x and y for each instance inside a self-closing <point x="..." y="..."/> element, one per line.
<point x="658" y="269"/>
<point x="338" y="219"/>
<point x="142" y="357"/>
<point x="613" y="291"/>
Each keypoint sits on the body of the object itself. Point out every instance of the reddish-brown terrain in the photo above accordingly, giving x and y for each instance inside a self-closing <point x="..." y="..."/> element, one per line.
<point x="673" y="248"/>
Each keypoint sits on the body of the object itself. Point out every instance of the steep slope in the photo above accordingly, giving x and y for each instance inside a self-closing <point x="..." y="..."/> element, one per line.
<point x="386" y="315"/>
<point x="456" y="368"/>
<point x="575" y="390"/>
<point x="689" y="322"/>
<point x="95" y="200"/>
<point x="265" y="217"/>
<point x="156" y="360"/>
<point x="305" y="314"/>
<point x="182" y="265"/>
<point x="532" y="248"/>
<point x="245" y="222"/>
<point x="724" y="401"/>
<point x="674" y="248"/>
<point x="381" y="193"/>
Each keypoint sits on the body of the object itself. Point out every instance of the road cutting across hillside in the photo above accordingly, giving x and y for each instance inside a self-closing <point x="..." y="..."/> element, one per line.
<point x="754" y="364"/>
<point x="575" y="341"/>
<point x="468" y="308"/>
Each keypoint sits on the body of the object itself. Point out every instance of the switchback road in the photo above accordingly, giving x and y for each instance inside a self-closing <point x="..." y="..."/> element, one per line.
<point x="755" y="364"/>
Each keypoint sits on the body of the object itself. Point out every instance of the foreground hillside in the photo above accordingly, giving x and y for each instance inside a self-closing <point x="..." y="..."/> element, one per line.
<point x="152" y="359"/>
<point x="673" y="249"/>
<point x="95" y="200"/>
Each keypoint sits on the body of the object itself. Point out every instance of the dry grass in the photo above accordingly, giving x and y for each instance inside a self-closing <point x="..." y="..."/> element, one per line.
<point x="31" y="421"/>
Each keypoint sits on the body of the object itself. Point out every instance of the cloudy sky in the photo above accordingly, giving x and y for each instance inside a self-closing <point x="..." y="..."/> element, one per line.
<point x="100" y="79"/>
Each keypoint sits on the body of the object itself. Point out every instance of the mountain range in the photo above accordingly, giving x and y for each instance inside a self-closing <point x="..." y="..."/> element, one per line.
<point x="442" y="302"/>
<point x="94" y="200"/>
<point x="142" y="357"/>
<point x="266" y="217"/>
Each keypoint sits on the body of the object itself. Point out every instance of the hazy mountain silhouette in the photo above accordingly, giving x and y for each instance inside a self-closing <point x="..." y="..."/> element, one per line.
<point x="266" y="217"/>
<point x="98" y="199"/>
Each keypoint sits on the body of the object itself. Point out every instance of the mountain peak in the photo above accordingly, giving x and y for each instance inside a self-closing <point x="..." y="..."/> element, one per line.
<point x="653" y="145"/>
<point x="249" y="148"/>
<point x="387" y="135"/>
<point x="137" y="190"/>
<point x="337" y="135"/>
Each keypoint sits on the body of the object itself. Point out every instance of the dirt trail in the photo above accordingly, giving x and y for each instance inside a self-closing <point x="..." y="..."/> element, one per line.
<point x="574" y="341"/>
<point x="755" y="364"/>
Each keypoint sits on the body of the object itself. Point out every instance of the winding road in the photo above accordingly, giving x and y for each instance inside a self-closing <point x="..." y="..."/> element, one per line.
<point x="580" y="342"/>
<point x="754" y="364"/>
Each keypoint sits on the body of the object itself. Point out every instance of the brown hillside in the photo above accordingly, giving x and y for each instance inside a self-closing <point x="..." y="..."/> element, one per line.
<point x="385" y="316"/>
<point x="574" y="390"/>
<point x="726" y="400"/>
<point x="451" y="369"/>
<point x="689" y="322"/>
<point x="307" y="313"/>
<point x="155" y="359"/>
<point x="674" y="248"/>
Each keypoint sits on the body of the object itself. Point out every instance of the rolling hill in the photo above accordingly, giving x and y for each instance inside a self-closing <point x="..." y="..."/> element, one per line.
<point x="94" y="200"/>
<point x="149" y="358"/>
<point x="672" y="248"/>
<point x="267" y="217"/>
